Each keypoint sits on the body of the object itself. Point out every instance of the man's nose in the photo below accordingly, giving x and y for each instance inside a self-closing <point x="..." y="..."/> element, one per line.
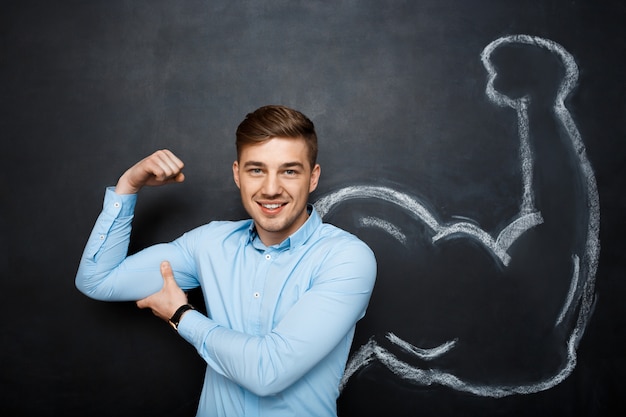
<point x="272" y="185"/>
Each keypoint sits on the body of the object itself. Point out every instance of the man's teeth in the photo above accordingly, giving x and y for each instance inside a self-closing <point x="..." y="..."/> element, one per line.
<point x="271" y="206"/>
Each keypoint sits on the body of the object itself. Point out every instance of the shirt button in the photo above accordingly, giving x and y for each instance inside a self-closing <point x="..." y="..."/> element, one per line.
<point x="256" y="295"/>
<point x="268" y="256"/>
<point x="116" y="204"/>
<point x="101" y="237"/>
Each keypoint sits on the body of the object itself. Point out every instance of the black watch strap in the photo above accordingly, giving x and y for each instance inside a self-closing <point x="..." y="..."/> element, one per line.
<point x="178" y="314"/>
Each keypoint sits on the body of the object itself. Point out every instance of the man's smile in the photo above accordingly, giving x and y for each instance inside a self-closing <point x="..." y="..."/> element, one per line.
<point x="271" y="208"/>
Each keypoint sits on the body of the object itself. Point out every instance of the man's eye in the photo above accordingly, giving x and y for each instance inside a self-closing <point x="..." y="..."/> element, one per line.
<point x="290" y="172"/>
<point x="255" y="172"/>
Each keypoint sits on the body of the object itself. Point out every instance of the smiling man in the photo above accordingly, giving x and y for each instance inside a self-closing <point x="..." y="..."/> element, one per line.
<point x="275" y="178"/>
<point x="283" y="290"/>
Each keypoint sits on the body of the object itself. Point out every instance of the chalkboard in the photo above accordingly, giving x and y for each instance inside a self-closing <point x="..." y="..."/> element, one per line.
<point x="477" y="147"/>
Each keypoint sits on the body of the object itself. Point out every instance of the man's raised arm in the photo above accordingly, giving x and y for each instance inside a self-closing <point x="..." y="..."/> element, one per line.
<point x="105" y="272"/>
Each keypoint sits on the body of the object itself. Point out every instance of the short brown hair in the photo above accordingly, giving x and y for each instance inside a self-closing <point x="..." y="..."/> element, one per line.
<point x="273" y="121"/>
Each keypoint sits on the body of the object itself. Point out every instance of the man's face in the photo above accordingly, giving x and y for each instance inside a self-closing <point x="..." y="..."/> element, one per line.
<point x="275" y="179"/>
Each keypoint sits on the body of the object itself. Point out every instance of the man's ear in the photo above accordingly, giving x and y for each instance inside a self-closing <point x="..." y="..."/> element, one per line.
<point x="315" y="177"/>
<point x="236" y="173"/>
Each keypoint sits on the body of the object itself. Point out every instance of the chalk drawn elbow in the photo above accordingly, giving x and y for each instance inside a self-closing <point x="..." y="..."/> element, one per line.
<point x="471" y="230"/>
<point x="516" y="228"/>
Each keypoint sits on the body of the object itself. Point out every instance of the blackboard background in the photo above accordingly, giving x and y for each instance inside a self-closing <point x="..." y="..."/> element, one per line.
<point x="89" y="87"/>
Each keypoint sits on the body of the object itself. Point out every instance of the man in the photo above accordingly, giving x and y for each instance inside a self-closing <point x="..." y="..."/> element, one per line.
<point x="283" y="290"/>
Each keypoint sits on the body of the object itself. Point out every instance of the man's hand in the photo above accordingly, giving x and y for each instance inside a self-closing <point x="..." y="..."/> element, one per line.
<point x="165" y="302"/>
<point x="160" y="168"/>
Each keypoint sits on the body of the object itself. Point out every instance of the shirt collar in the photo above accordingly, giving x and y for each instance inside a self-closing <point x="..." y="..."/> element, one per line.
<point x="299" y="237"/>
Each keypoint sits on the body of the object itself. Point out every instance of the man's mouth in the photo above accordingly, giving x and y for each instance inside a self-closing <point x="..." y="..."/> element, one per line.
<point x="271" y="208"/>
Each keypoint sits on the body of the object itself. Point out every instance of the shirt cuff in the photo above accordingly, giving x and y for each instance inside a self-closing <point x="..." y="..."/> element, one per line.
<point x="118" y="205"/>
<point x="194" y="327"/>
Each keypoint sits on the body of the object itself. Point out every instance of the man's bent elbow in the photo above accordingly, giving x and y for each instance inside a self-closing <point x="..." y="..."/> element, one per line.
<point x="90" y="290"/>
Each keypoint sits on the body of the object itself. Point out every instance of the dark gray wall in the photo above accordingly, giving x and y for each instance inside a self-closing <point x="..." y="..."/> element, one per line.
<point x="419" y="158"/>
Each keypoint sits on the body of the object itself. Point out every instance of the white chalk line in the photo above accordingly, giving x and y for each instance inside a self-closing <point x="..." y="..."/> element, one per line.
<point x="373" y="351"/>
<point x="516" y="228"/>
<point x="572" y="290"/>
<point x="424" y="354"/>
<point x="384" y="225"/>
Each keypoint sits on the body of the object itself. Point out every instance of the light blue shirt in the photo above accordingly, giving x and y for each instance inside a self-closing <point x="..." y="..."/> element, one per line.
<point x="280" y="319"/>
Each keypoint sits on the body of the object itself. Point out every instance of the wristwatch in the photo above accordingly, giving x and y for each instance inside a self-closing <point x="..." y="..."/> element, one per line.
<point x="178" y="314"/>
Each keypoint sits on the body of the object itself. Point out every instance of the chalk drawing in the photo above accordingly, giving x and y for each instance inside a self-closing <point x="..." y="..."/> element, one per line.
<point x="385" y="225"/>
<point x="572" y="290"/>
<point x="580" y="299"/>
<point x="425" y="354"/>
